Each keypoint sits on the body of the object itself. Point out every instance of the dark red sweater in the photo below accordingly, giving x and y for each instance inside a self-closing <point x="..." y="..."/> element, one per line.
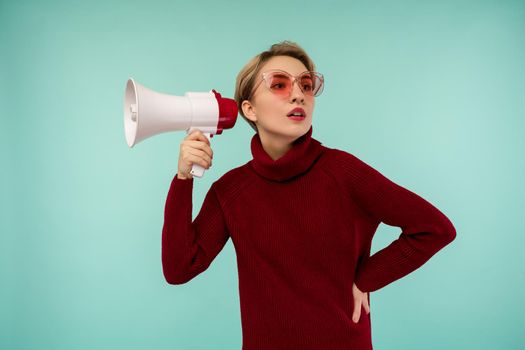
<point x="302" y="228"/>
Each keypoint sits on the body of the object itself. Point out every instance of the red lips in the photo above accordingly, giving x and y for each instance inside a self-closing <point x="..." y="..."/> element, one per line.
<point x="297" y="110"/>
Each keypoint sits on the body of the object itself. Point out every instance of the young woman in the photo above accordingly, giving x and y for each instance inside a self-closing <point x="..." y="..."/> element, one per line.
<point x="301" y="217"/>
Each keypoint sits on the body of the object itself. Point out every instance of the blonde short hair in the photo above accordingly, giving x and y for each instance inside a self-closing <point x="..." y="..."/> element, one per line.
<point x="247" y="76"/>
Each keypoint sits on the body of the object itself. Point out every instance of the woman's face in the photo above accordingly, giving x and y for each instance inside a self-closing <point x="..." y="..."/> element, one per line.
<point x="270" y="111"/>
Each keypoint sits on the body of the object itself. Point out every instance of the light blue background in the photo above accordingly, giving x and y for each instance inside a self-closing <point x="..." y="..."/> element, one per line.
<point x="430" y="93"/>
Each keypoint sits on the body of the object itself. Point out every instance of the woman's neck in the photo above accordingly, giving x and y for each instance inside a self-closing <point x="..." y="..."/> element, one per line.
<point x="275" y="147"/>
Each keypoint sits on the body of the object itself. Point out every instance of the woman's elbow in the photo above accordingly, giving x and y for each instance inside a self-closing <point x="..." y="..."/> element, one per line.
<point x="176" y="281"/>
<point x="447" y="231"/>
<point x="173" y="277"/>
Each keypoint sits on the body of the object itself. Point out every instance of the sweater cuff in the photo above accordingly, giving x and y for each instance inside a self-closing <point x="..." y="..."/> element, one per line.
<point x="177" y="179"/>
<point x="179" y="188"/>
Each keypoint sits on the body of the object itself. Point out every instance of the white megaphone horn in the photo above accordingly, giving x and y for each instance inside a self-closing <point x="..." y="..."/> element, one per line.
<point x="148" y="113"/>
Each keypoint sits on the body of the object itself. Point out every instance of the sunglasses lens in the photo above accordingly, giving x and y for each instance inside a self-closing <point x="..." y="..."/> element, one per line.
<point x="312" y="84"/>
<point x="280" y="84"/>
<point x="307" y="84"/>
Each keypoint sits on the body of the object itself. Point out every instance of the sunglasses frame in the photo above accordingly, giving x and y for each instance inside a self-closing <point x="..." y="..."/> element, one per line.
<point x="265" y="75"/>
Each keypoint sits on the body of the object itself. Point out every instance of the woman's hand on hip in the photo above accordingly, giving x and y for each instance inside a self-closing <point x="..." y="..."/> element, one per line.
<point x="360" y="298"/>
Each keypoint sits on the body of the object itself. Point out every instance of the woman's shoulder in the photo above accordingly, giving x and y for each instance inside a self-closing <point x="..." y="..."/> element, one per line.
<point x="335" y="156"/>
<point x="231" y="182"/>
<point x="347" y="164"/>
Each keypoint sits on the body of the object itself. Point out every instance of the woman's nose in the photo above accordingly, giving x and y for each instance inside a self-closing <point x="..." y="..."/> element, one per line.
<point x="296" y="93"/>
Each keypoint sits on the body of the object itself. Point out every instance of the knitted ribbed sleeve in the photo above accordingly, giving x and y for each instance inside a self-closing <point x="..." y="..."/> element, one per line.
<point x="424" y="229"/>
<point x="189" y="246"/>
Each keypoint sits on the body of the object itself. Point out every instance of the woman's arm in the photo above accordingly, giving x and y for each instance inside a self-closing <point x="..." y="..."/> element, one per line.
<point x="425" y="229"/>
<point x="188" y="248"/>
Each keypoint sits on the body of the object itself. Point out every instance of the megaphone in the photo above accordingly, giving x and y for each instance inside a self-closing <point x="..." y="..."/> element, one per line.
<point x="148" y="113"/>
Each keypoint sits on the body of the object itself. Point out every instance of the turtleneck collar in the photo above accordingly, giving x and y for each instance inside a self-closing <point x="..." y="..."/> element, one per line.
<point x="299" y="158"/>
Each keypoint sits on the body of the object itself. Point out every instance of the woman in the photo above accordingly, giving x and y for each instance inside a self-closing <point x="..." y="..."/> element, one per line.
<point x="301" y="217"/>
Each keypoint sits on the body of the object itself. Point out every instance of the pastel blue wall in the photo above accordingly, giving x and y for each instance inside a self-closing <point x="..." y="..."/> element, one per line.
<point x="430" y="93"/>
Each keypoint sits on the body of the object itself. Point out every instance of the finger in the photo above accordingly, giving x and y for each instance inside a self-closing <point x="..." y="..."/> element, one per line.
<point x="197" y="148"/>
<point x="189" y="157"/>
<point x="200" y="145"/>
<point x="366" y="305"/>
<point x="357" y="312"/>
<point x="198" y="135"/>
<point x="199" y="160"/>
<point x="200" y="154"/>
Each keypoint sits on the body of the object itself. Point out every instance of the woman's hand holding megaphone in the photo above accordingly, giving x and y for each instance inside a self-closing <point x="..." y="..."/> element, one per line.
<point x="194" y="148"/>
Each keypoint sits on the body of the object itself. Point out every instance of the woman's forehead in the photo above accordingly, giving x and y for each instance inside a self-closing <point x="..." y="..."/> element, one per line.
<point x="285" y="63"/>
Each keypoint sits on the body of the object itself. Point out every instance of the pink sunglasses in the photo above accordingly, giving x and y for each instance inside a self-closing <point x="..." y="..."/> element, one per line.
<point x="281" y="83"/>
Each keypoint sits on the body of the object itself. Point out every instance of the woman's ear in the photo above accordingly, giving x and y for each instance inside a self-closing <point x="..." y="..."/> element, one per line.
<point x="249" y="110"/>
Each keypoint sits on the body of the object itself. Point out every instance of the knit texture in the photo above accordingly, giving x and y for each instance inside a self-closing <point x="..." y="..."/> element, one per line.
<point x="302" y="228"/>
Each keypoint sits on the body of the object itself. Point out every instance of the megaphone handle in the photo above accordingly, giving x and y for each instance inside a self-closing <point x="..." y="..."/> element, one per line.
<point x="197" y="170"/>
